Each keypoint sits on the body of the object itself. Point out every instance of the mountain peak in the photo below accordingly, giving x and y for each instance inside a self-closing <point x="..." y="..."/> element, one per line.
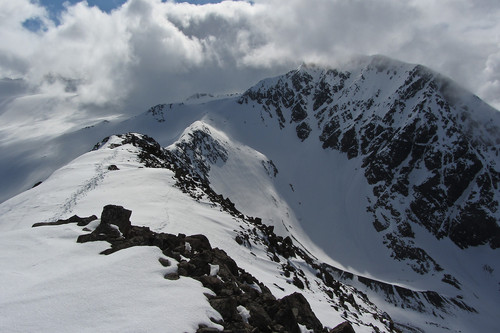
<point x="368" y="188"/>
<point x="397" y="119"/>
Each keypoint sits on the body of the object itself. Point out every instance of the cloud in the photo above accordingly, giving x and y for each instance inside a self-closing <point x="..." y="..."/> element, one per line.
<point x="148" y="51"/>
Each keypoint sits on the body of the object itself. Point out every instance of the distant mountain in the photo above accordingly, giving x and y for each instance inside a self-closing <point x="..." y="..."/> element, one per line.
<point x="370" y="189"/>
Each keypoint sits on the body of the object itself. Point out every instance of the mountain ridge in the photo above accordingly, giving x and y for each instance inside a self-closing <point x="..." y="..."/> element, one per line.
<point x="381" y="154"/>
<point x="357" y="168"/>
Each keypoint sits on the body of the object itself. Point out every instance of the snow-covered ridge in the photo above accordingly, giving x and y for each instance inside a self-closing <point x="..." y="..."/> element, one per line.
<point x="135" y="161"/>
<point x="293" y="266"/>
<point x="207" y="97"/>
<point x="379" y="178"/>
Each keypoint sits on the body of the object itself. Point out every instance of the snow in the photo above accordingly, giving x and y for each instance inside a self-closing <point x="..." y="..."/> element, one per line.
<point x="214" y="270"/>
<point x="160" y="206"/>
<point x="304" y="329"/>
<point x="88" y="292"/>
<point x="243" y="312"/>
<point x="50" y="283"/>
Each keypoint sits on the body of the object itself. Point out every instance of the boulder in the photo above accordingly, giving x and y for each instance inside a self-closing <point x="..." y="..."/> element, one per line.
<point x="345" y="327"/>
<point x="117" y="215"/>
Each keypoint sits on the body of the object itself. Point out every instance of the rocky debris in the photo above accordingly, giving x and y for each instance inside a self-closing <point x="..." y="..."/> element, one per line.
<point x="303" y="130"/>
<point x="80" y="221"/>
<point x="232" y="286"/>
<point x="337" y="290"/>
<point x="157" y="112"/>
<point x="342" y="289"/>
<point x="115" y="224"/>
<point x="235" y="288"/>
<point x="341" y="286"/>
<point x="151" y="154"/>
<point x="345" y="327"/>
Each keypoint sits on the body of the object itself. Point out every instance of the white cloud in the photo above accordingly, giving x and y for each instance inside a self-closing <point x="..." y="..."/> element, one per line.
<point x="490" y="89"/>
<point x="149" y="51"/>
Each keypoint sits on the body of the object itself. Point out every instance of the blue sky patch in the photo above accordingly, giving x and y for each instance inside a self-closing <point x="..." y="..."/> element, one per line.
<point x="34" y="24"/>
<point x="55" y="7"/>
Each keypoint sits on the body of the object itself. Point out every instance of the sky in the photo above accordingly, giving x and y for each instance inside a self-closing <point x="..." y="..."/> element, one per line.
<point x="103" y="57"/>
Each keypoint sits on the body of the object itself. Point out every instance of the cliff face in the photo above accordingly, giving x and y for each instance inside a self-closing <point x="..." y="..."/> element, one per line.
<point x="428" y="149"/>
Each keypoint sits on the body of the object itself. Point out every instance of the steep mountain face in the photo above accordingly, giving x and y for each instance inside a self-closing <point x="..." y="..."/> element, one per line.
<point x="372" y="190"/>
<point x="429" y="157"/>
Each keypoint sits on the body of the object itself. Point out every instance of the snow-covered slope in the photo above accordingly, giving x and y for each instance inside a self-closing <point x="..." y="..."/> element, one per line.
<point x="381" y="176"/>
<point x="134" y="172"/>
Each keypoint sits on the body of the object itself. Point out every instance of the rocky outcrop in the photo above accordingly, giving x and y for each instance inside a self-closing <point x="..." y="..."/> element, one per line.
<point x="245" y="304"/>
<point x="345" y="327"/>
<point x="198" y="149"/>
<point x="115" y="224"/>
<point x="80" y="221"/>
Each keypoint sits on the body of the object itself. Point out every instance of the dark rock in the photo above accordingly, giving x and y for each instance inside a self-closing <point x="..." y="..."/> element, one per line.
<point x="167" y="241"/>
<point x="204" y="329"/>
<point x="379" y="226"/>
<point x="198" y="242"/>
<point x="213" y="283"/>
<point x="232" y="286"/>
<point x="349" y="143"/>
<point x="434" y="298"/>
<point x="164" y="262"/>
<point x="226" y="306"/>
<point x="345" y="327"/>
<point x="298" y="113"/>
<point x="298" y="283"/>
<point x="399" y="138"/>
<point x="199" y="265"/>
<point x="80" y="221"/>
<point x="172" y="276"/>
<point x="447" y="278"/>
<point x="238" y="239"/>
<point x="303" y="130"/>
<point x="330" y="134"/>
<point x="113" y="167"/>
<point x="224" y="261"/>
<point x="184" y="268"/>
<point x="301" y="311"/>
<point x="118" y="216"/>
<point x="322" y="95"/>
<point x="259" y="318"/>
<point x="474" y="226"/>
<point x="103" y="232"/>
